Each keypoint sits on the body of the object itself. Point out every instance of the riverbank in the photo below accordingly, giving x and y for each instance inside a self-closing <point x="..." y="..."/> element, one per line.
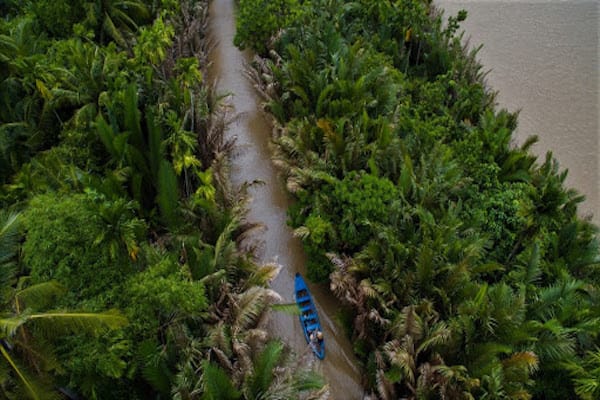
<point x="458" y="251"/>
<point x="269" y="205"/>
<point x="542" y="59"/>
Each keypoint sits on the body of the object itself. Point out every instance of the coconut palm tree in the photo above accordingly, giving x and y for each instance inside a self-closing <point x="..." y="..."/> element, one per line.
<point x="25" y="334"/>
<point x="27" y="326"/>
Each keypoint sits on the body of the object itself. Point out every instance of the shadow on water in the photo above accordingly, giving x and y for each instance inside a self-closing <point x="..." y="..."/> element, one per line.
<point x="268" y="206"/>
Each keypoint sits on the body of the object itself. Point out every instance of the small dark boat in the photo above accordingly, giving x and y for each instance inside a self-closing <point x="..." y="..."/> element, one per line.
<point x="309" y="319"/>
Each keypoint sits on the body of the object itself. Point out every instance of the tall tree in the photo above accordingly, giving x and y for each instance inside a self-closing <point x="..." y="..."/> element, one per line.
<point x="26" y="329"/>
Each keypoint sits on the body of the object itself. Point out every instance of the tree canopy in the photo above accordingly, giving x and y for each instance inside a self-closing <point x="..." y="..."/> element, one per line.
<point x="465" y="267"/>
<point x="123" y="272"/>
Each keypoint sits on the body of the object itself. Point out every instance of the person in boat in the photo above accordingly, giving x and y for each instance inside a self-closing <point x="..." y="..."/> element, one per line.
<point x="316" y="336"/>
<point x="306" y="319"/>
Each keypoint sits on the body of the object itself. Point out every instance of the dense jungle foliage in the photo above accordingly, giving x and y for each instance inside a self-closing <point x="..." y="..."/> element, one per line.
<point x="466" y="269"/>
<point x="125" y="266"/>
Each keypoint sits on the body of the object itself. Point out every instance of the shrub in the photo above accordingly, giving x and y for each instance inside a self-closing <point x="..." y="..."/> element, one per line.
<point x="260" y="20"/>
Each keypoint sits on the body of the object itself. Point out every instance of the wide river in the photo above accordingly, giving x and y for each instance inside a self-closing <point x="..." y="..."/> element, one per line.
<point x="543" y="60"/>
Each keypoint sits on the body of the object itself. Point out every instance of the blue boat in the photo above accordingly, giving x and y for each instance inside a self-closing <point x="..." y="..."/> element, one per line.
<point x="309" y="319"/>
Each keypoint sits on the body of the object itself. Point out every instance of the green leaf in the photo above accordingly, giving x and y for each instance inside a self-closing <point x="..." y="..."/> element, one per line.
<point x="33" y="389"/>
<point x="39" y="295"/>
<point x="217" y="385"/>
<point x="168" y="194"/>
<point x="289" y="309"/>
<point x="262" y="374"/>
<point x="75" y="322"/>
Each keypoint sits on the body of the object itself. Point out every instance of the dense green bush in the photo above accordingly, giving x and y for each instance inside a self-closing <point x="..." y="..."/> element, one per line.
<point x="259" y="20"/>
<point x="58" y="17"/>
<point x="69" y="240"/>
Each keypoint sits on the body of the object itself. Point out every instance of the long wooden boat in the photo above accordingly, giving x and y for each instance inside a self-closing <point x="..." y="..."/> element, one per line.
<point x="309" y="319"/>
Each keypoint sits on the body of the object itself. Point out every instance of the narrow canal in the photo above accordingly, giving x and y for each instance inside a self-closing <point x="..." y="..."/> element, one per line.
<point x="269" y="203"/>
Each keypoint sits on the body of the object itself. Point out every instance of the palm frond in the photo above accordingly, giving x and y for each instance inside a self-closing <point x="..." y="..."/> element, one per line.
<point x="410" y="323"/>
<point x="302" y="232"/>
<point x="385" y="388"/>
<point x="38" y="296"/>
<point x="74" y="322"/>
<point x="250" y="306"/>
<point x="32" y="388"/>
<point x="216" y="384"/>
<point x="524" y="360"/>
<point x="110" y="28"/>
<point x="310" y="381"/>
<point x="554" y="342"/>
<point x="219" y="337"/>
<point x="402" y="355"/>
<point x="264" y="274"/>
<point x="262" y="374"/>
<point x="225" y="245"/>
<point x="289" y="308"/>
<point x="168" y="193"/>
<point x="9" y="236"/>
<point x="10" y="325"/>
<point x="437" y="335"/>
<point x="42" y="352"/>
<point x="153" y="367"/>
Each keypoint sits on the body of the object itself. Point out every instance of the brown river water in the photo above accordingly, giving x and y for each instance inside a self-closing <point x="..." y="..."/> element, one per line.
<point x="542" y="58"/>
<point x="251" y="162"/>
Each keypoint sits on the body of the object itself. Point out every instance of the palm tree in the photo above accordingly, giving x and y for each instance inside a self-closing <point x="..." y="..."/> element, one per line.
<point x="137" y="149"/>
<point x="497" y="342"/>
<point x="25" y="332"/>
<point x="362" y="295"/>
<point x="9" y="239"/>
<point x="586" y="375"/>
<point x="122" y="231"/>
<point x="116" y="18"/>
<point x="25" y="122"/>
<point x="413" y="359"/>
<point x="271" y="375"/>
<point x="275" y="376"/>
<point x="555" y="205"/>
<point x="235" y="360"/>
<point x="79" y="82"/>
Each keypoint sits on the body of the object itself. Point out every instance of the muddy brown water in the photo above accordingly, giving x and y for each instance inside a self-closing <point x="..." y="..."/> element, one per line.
<point x="268" y="206"/>
<point x="542" y="57"/>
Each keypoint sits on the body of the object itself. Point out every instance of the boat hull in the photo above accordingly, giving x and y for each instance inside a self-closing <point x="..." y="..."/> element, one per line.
<point x="309" y="319"/>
